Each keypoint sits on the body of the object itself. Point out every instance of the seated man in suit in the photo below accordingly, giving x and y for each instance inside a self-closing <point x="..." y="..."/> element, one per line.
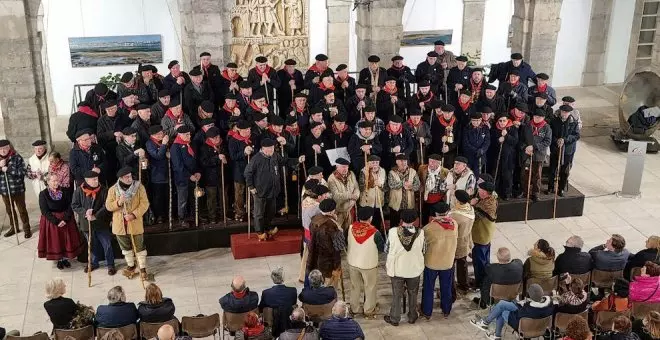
<point x="317" y="293"/>
<point x="281" y="299"/>
<point x="611" y="256"/>
<point x="240" y="299"/>
<point x="118" y="312"/>
<point x="505" y="272"/>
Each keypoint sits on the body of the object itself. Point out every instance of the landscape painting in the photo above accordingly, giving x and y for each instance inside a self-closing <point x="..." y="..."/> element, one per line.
<point x="424" y="38"/>
<point x="115" y="50"/>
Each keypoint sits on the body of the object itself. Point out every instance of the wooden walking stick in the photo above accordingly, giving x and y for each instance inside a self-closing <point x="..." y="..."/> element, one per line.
<point x="286" y="192"/>
<point x="298" y="193"/>
<point x="529" y="185"/>
<point x="11" y="209"/>
<point x="497" y="164"/>
<point x="380" y="209"/>
<point x="341" y="282"/>
<point x="247" y="196"/>
<point x="89" y="249"/>
<point x="137" y="264"/>
<point x="421" y="162"/>
<point x="559" y="157"/>
<point x="224" y="196"/>
<point x="137" y="260"/>
<point x="169" y="182"/>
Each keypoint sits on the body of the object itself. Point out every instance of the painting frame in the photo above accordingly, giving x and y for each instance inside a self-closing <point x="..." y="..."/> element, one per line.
<point x="426" y="38"/>
<point x="115" y="50"/>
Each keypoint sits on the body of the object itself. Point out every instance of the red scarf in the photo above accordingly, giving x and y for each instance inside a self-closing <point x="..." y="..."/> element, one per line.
<point x="239" y="295"/>
<point x="515" y="84"/>
<point x="255" y="107"/>
<point x="337" y="131"/>
<point x="179" y="140"/>
<point x="265" y="71"/>
<point x="517" y="116"/>
<point x="391" y="90"/>
<point x="464" y="106"/>
<point x="298" y="109"/>
<point x="225" y="75"/>
<point x="86" y="149"/>
<point x="508" y="124"/>
<point x="254" y="331"/>
<point x="294" y="132"/>
<point x="542" y="88"/>
<point x="394" y="132"/>
<point x="237" y="136"/>
<point x="271" y="130"/>
<point x="228" y="109"/>
<point x="11" y="153"/>
<point x="205" y="69"/>
<point x="90" y="192"/>
<point x="476" y="88"/>
<point x="362" y="231"/>
<point x="445" y="123"/>
<point x="323" y="88"/>
<point x="446" y="222"/>
<point x="158" y="143"/>
<point x="172" y="116"/>
<point x="342" y="80"/>
<point x="315" y="68"/>
<point x="536" y="127"/>
<point x="210" y="143"/>
<point x="412" y="125"/>
<point x="88" y="111"/>
<point x="430" y="96"/>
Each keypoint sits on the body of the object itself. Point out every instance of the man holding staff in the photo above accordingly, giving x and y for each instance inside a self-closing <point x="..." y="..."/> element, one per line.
<point x="565" y="134"/>
<point x="344" y="187"/>
<point x="12" y="188"/>
<point x="158" y="173"/>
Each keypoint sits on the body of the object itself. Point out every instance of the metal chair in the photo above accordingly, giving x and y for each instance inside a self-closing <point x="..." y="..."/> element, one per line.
<point x="604" y="279"/>
<point x="534" y="328"/>
<point x="548" y="284"/>
<point x="129" y="331"/>
<point x="319" y="313"/>
<point x="267" y="316"/>
<point x="85" y="333"/>
<point x="640" y="310"/>
<point x="38" y="336"/>
<point x="505" y="292"/>
<point x="149" y="330"/>
<point x="562" y="319"/>
<point x="604" y="319"/>
<point x="202" y="326"/>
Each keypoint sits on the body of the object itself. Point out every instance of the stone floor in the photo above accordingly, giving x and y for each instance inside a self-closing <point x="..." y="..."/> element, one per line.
<point x="195" y="281"/>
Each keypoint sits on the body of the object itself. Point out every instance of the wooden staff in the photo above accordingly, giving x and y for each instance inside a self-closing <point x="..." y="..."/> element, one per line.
<point x="11" y="208"/>
<point x="247" y="196"/>
<point x="298" y="192"/>
<point x="380" y="207"/>
<point x="393" y="108"/>
<point x="169" y="182"/>
<point x="89" y="249"/>
<point x="286" y="193"/>
<point x="137" y="264"/>
<point x="341" y="282"/>
<point x="196" y="194"/>
<point x="497" y="164"/>
<point x="224" y="196"/>
<point x="529" y="185"/>
<point x="316" y="160"/>
<point x="559" y="157"/>
<point x="421" y="162"/>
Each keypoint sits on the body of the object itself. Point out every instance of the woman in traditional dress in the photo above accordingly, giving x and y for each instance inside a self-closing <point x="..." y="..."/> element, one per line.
<point x="59" y="239"/>
<point x="60" y="168"/>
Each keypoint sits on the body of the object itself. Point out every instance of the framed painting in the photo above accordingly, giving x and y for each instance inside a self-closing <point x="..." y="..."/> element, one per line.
<point x="115" y="50"/>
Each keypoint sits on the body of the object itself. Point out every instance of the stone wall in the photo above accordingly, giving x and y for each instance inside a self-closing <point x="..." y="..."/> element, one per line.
<point x="205" y="28"/>
<point x="379" y="30"/>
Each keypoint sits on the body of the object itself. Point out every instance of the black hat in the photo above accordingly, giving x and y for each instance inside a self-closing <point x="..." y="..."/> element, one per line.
<point x="212" y="132"/>
<point x="401" y="157"/>
<point x="514" y="73"/>
<point x="397" y="57"/>
<point x="258" y="95"/>
<point x="439" y="43"/>
<point x="141" y="107"/>
<point x="435" y="157"/>
<point x="83" y="132"/>
<point x="461" y="159"/>
<point x="433" y="54"/>
<point x="539" y="112"/>
<point x="290" y="62"/>
<point x="462" y="196"/>
<point x="154" y="129"/>
<point x="206" y="121"/>
<point x="478" y="69"/>
<point x="396" y="119"/>
<point x="522" y="106"/>
<point x="290" y="120"/>
<point x="310" y="184"/>
<point x="328" y="91"/>
<point x="447" y="108"/>
<point x="128" y="131"/>
<point x="440" y="208"/>
<point x="327" y="73"/>
<point x="100" y="89"/>
<point x="39" y="142"/>
<point x="4" y="142"/>
<point x="108" y="103"/>
<point x="423" y="83"/>
<point x="541" y="95"/>
<point x="184" y="129"/>
<point x="365" y="213"/>
<point x="195" y="72"/>
<point x="243" y="124"/>
<point x="486" y="109"/>
<point x="365" y="124"/>
<point x="414" y="111"/>
<point x="340" y="118"/>
<point x="341" y="67"/>
<point x="369" y="108"/>
<point x="244" y="84"/>
<point x="124" y="171"/>
<point x="342" y="161"/>
<point x="207" y="106"/>
<point x="231" y="65"/>
<point x="172" y="64"/>
<point x="257" y="116"/>
<point x="314" y="125"/>
<point x="491" y="87"/>
<point x="315" y="110"/>
<point x="204" y="54"/>
<point x="543" y="76"/>
<point x="261" y="59"/>
<point x="408" y="215"/>
<point x="486" y="177"/>
<point x="390" y="78"/>
<point x="320" y="190"/>
<point x="90" y="174"/>
<point x="516" y="56"/>
<point x="300" y="95"/>
<point x="126" y="77"/>
<point x="373" y="158"/>
<point x="373" y="59"/>
<point x="488" y="186"/>
<point x="568" y="99"/>
<point x="362" y="86"/>
<point x="144" y="67"/>
<point x="163" y="93"/>
<point x="276" y="120"/>
<point x="475" y="115"/>
<point x="230" y="95"/>
<point x="328" y="205"/>
<point x="461" y="58"/>
<point x="266" y="142"/>
<point x="315" y="170"/>
<point x="566" y="108"/>
<point x="321" y="57"/>
<point x="466" y="92"/>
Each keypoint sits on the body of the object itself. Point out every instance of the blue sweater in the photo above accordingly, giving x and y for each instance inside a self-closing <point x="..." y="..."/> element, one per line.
<point x="341" y="329"/>
<point x="183" y="164"/>
<point x="157" y="162"/>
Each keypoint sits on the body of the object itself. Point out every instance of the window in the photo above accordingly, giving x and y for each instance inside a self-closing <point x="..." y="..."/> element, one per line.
<point x="647" y="32"/>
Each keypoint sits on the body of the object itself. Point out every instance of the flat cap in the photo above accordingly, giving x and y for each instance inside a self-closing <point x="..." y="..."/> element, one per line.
<point x="124" y="171"/>
<point x="461" y="58"/>
<point x="408" y="215"/>
<point x="231" y="65"/>
<point x="141" y="107"/>
<point x="212" y="132"/>
<point x="172" y="64"/>
<point x="321" y="57"/>
<point x="439" y="43"/>
<point x="163" y="93"/>
<point x="433" y="54"/>
<point x="276" y="120"/>
<point x="204" y="54"/>
<point x="462" y="196"/>
<point x="516" y="56"/>
<point x="267" y="142"/>
<point x="90" y="174"/>
<point x="440" y="208"/>
<point x="195" y="72"/>
<point x="126" y="77"/>
<point x="461" y="159"/>
<point x="328" y="205"/>
<point x="397" y="57"/>
<point x="290" y="62"/>
<point x="341" y="67"/>
<point x="373" y="158"/>
<point x="243" y="124"/>
<point x="373" y="59"/>
<point x="396" y="119"/>
<point x="207" y="106"/>
<point x="566" y="108"/>
<point x="39" y="142"/>
<point x="154" y="129"/>
<point x="488" y="186"/>
<point x="83" y="132"/>
<point x="543" y="76"/>
<point x="342" y="161"/>
<point x="128" y="131"/>
<point x="568" y="99"/>
<point x="4" y="142"/>
<point x="315" y="170"/>
<point x="184" y="129"/>
<point x="539" y="112"/>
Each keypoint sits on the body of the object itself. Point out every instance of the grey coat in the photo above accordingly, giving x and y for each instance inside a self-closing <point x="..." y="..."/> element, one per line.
<point x="540" y="141"/>
<point x="80" y="203"/>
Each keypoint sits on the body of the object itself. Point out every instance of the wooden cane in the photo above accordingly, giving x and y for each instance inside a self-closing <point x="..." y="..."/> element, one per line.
<point x="169" y="182"/>
<point x="89" y="250"/>
<point x="380" y="209"/>
<point x="286" y="193"/>
<point x="11" y="210"/>
<point x="497" y="164"/>
<point x="298" y="192"/>
<point x="421" y="162"/>
<point x="341" y="282"/>
<point x="529" y="185"/>
<point x="554" y="207"/>
<point x="196" y="204"/>
<point x="136" y="259"/>
<point x="247" y="196"/>
<point x="224" y="196"/>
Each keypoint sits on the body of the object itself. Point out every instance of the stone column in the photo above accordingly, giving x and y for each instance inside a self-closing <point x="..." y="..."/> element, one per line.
<point x="205" y="26"/>
<point x="599" y="27"/>
<point x="379" y="30"/>
<point x="338" y="31"/>
<point x="473" y="27"/>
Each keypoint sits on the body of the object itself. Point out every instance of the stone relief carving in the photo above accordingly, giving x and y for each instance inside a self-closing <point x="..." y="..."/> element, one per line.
<point x="277" y="29"/>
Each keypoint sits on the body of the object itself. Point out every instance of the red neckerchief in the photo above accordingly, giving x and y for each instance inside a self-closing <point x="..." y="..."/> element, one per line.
<point x="476" y="88"/>
<point x="515" y="84"/>
<point x="298" y="109"/>
<point x="179" y="140"/>
<point x="338" y="132"/>
<point x="210" y="143"/>
<point x="323" y="88"/>
<point x="254" y="106"/>
<point x="172" y="116"/>
<point x="265" y="71"/>
<point x="225" y="75"/>
<point x="294" y="132"/>
<point x="464" y="106"/>
<point x="340" y="177"/>
<point x="445" y="222"/>
<point x="542" y="88"/>
<point x="430" y="96"/>
<point x="90" y="192"/>
<point x="508" y="124"/>
<point x="205" y="69"/>
<point x="362" y="231"/>
<point x="518" y="117"/>
<point x="237" y="136"/>
<point x="239" y="295"/>
<point x="394" y="132"/>
<point x="228" y="109"/>
<point x="246" y="99"/>
<point x="536" y="127"/>
<point x="342" y="80"/>
<point x="254" y="331"/>
<point x="132" y="87"/>
<point x="11" y="153"/>
<point x="314" y="68"/>
<point x="88" y="111"/>
<point x="271" y="130"/>
<point x="86" y="149"/>
<point x="412" y="124"/>
<point x="158" y="143"/>
<point x="445" y="123"/>
<point x="391" y="90"/>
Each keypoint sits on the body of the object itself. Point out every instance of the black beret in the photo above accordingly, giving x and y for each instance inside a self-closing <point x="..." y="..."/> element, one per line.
<point x="414" y="111"/>
<point x="373" y="158"/>
<point x="516" y="56"/>
<point x="258" y="95"/>
<point x="433" y="54"/>
<point x="300" y="95"/>
<point x="327" y="73"/>
<point x="184" y="129"/>
<point x="141" y="107"/>
<point x="320" y="190"/>
<point x="290" y="62"/>
<point x="340" y="118"/>
<point x="440" y="208"/>
<point x="204" y="54"/>
<point x="447" y="108"/>
<point x="244" y="84"/>
<point x="126" y="77"/>
<point x="342" y="161"/>
<point x="163" y="93"/>
<point x="491" y="87"/>
<point x="365" y="213"/>
<point x="154" y="129"/>
<point x="397" y="57"/>
<point x="390" y="78"/>
<point x="124" y="171"/>
<point x="401" y="157"/>
<point x="267" y="142"/>
<point x="108" y="103"/>
<point x="321" y="57"/>
<point x="365" y="124"/>
<point x="100" y="89"/>
<point x="230" y="95"/>
<point x="90" y="174"/>
<point x="290" y="120"/>
<point x="174" y="101"/>
<point x="341" y="67"/>
<point x="514" y="73"/>
<point x="486" y="109"/>
<point x="373" y="59"/>
<point x="369" y="108"/>
<point x="232" y="65"/>
<point x="143" y="68"/>
<point x="257" y="116"/>
<point x="439" y="43"/>
<point x="461" y="58"/>
<point x="172" y="64"/>
<point x="566" y="108"/>
<point x="488" y="186"/>
<point x="243" y="124"/>
<point x="423" y="83"/>
<point x="461" y="159"/>
<point x="475" y="115"/>
<point x="361" y="86"/>
<point x="541" y="95"/>
<point x="314" y="125"/>
<point x="466" y="92"/>
<point x="435" y="157"/>
<point x="39" y="142"/>
<point x="539" y="112"/>
<point x="276" y="120"/>
<point x="212" y="132"/>
<point x="478" y="69"/>
<point x="396" y="119"/>
<point x="328" y="91"/>
<point x="206" y="121"/>
<point x="261" y="59"/>
<point x="3" y="142"/>
<point x="568" y="99"/>
<point x="328" y="205"/>
<point x="207" y="106"/>
<point x="408" y="215"/>
<point x="310" y="184"/>
<point x="462" y="196"/>
<point x="543" y="76"/>
<point x="83" y="132"/>
<point x="522" y="106"/>
<point x="128" y="131"/>
<point x="315" y="170"/>
<point x="486" y="177"/>
<point x="195" y="72"/>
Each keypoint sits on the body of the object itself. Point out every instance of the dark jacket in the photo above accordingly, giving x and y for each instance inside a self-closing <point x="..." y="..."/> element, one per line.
<point x="323" y="252"/>
<point x="568" y="130"/>
<point x="210" y="161"/>
<point x="403" y="139"/>
<point x="160" y="312"/>
<point x="404" y="77"/>
<point x="321" y="158"/>
<point x="639" y="329"/>
<point x="505" y="274"/>
<point x="157" y="162"/>
<point x="341" y="329"/>
<point x="81" y="162"/>
<point x="618" y="336"/>
<point x="170" y="84"/>
<point x="384" y="105"/>
<point x="127" y="157"/>
<point x="255" y="81"/>
<point x="139" y="89"/>
<point x="501" y="72"/>
<point x="61" y="311"/>
<point x="194" y="98"/>
<point x="338" y="139"/>
<point x="225" y="82"/>
<point x="237" y="157"/>
<point x="352" y="113"/>
<point x="341" y="93"/>
<point x="81" y="121"/>
<point x="264" y="174"/>
<point x="284" y="98"/>
<point x="509" y="149"/>
<point x="230" y="303"/>
<point x="497" y="104"/>
<point x="475" y="143"/>
<point x="439" y="130"/>
<point x="639" y="259"/>
<point x="609" y="261"/>
<point x="365" y="78"/>
<point x="573" y="261"/>
<point x="16" y="171"/>
<point x="81" y="202"/>
<point x="540" y="141"/>
<point x="281" y="299"/>
<point x="118" y="314"/>
<point x="532" y="310"/>
<point x="354" y="145"/>
<point x="96" y="101"/>
<point x="158" y="112"/>
<point x="212" y="76"/>
<point x="183" y="164"/>
<point x="105" y="135"/>
<point x="514" y="94"/>
<point x="456" y="76"/>
<point x="317" y="296"/>
<point x="433" y="73"/>
<point x="550" y="91"/>
<point x="142" y="128"/>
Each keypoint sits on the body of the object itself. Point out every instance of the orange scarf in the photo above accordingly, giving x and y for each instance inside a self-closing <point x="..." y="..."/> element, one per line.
<point x="362" y="231"/>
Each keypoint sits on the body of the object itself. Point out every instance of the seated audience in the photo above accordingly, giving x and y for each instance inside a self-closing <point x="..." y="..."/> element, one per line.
<point x="573" y="260"/>
<point x="240" y="299"/>
<point x="648" y="328"/>
<point x="541" y="261"/>
<point x="340" y="326"/>
<point x="253" y="329"/>
<point x="60" y="309"/>
<point x="118" y="312"/>
<point x="166" y="332"/>
<point x="617" y="300"/>
<point x="317" y="293"/>
<point x="645" y="288"/>
<point x="574" y="299"/>
<point x="577" y="329"/>
<point x="155" y="308"/>
<point x="621" y="330"/>
<point x="639" y="260"/>
<point x="281" y="299"/>
<point x="537" y="307"/>
<point x="505" y="272"/>
<point x="299" y="328"/>
<point x="611" y="256"/>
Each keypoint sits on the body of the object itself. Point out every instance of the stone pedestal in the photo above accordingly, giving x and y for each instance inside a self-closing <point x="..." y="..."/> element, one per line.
<point x="599" y="27"/>
<point x="473" y="27"/>
<point x="379" y="30"/>
<point x="338" y="31"/>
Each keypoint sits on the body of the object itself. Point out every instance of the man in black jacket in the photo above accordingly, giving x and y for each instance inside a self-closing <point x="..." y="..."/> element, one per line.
<point x="492" y="99"/>
<point x="240" y="299"/>
<point x="395" y="140"/>
<point x="212" y="154"/>
<point x="313" y="74"/>
<point x="83" y="119"/>
<point x="458" y="79"/>
<point x="356" y="104"/>
<point x="573" y="260"/>
<point x="176" y="80"/>
<point x="373" y="75"/>
<point x="506" y="271"/>
<point x="241" y="145"/>
<point x="86" y="155"/>
<point x="344" y="84"/>
<point x="160" y="107"/>
<point x="211" y="75"/>
<point x="432" y="72"/>
<point x="107" y="138"/>
<point x="142" y="124"/>
<point x="264" y="78"/>
<point x="402" y="73"/>
<point x="281" y="299"/>
<point x="565" y="134"/>
<point x="262" y="177"/>
<point x="229" y="81"/>
<point x="128" y="152"/>
<point x="97" y="96"/>
<point x="184" y="171"/>
<point x="291" y="83"/>
<point x="195" y="94"/>
<point x="159" y="194"/>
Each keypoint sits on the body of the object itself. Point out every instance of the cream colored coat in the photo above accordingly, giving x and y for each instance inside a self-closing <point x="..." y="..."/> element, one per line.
<point x="368" y="197"/>
<point x="343" y="194"/>
<point x="137" y="206"/>
<point x="396" y="195"/>
<point x="465" y="220"/>
<point x="43" y="165"/>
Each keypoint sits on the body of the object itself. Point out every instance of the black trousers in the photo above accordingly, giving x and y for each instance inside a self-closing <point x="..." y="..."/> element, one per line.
<point x="564" y="172"/>
<point x="159" y="198"/>
<point x="264" y="212"/>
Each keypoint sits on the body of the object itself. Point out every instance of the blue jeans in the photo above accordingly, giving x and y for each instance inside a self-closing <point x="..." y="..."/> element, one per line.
<point x="101" y="245"/>
<point x="446" y="282"/>
<point x="480" y="258"/>
<point x="500" y="313"/>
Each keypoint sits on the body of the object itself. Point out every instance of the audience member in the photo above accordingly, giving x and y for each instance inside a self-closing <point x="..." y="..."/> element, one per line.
<point x="650" y="253"/>
<point x="253" y="329"/>
<point x="505" y="272"/>
<point x="340" y="326"/>
<point x="541" y="261"/>
<point x="574" y="299"/>
<point x="240" y="299"/>
<point x="118" y="312"/>
<point x="577" y="329"/>
<point x="611" y="256"/>
<point x="299" y="329"/>
<point x="166" y="332"/>
<point x="644" y="288"/>
<point x="113" y="334"/>
<point x="617" y="300"/>
<point x="281" y="299"/>
<point x="648" y="328"/>
<point x="317" y="293"/>
<point x="60" y="309"/>
<point x="155" y="308"/>
<point x="621" y="330"/>
<point x="573" y="260"/>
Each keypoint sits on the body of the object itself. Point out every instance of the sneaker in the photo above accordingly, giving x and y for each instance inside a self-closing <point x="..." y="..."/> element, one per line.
<point x="492" y="336"/>
<point x="479" y="323"/>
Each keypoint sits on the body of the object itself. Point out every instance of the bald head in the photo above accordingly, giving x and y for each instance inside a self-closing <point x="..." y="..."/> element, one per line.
<point x="238" y="283"/>
<point x="166" y="332"/>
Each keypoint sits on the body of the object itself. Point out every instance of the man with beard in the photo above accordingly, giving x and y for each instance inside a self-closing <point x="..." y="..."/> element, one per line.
<point x="211" y="77"/>
<point x="327" y="244"/>
<point x="245" y="96"/>
<point x="421" y="133"/>
<point x="433" y="189"/>
<point x="476" y="140"/>
<point x="128" y="85"/>
<point x="126" y="112"/>
<point x="317" y="92"/>
<point x="315" y="146"/>
<point x="356" y="104"/>
<point x="402" y="183"/>
<point x="446" y="125"/>
<point x="313" y="74"/>
<point x="514" y="90"/>
<point x="390" y="100"/>
<point x="543" y="87"/>
<point x="142" y="124"/>
<point x="129" y="153"/>
<point x="292" y="82"/>
<point x="264" y="78"/>
<point x="477" y="84"/>
<point x="293" y="130"/>
<point x="364" y="142"/>
<point x="423" y="99"/>
<point x="465" y="108"/>
<point x="396" y="139"/>
<point x="502" y="155"/>
<point x="229" y="80"/>
<point x="12" y="183"/>
<point x="403" y="75"/>
<point x="160" y="107"/>
<point x="565" y="134"/>
<point x="345" y="191"/>
<point x="228" y="110"/>
<point x="99" y="95"/>
<point x="460" y="177"/>
<point x="85" y="118"/>
<point x="158" y="172"/>
<point x="340" y="133"/>
<point x="330" y="106"/>
<point x="174" y="118"/>
<point x="212" y="154"/>
<point x="372" y="188"/>
<point x="241" y="146"/>
<point x="38" y="165"/>
<point x="502" y="71"/>
<point x="86" y="155"/>
<point x="195" y="94"/>
<point x="176" y="80"/>
<point x="458" y="79"/>
<point x="538" y="138"/>
<point x="373" y="75"/>
<point x="431" y="71"/>
<point x="446" y="58"/>
<point x="492" y="99"/>
<point x="344" y="84"/>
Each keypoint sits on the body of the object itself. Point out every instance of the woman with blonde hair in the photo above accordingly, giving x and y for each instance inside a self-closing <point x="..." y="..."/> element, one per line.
<point x="648" y="328"/>
<point x="60" y="309"/>
<point x="650" y="253"/>
<point x="155" y="308"/>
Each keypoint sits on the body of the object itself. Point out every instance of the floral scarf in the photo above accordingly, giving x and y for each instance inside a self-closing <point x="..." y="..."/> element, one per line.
<point x="407" y="236"/>
<point x="362" y="231"/>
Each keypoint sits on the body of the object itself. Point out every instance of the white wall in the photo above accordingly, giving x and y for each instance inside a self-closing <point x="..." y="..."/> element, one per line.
<point x="618" y="40"/>
<point x="318" y="30"/>
<point x="571" y="52"/>
<point x="497" y="20"/>
<point x="89" y="18"/>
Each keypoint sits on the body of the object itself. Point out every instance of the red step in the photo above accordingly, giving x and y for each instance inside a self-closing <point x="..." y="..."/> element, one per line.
<point x="285" y="242"/>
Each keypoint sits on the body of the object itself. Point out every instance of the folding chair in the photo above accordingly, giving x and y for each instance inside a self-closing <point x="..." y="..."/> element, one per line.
<point x="604" y="279"/>
<point x="38" y="336"/>
<point x="203" y="326"/>
<point x="640" y="310"/>
<point x="319" y="313"/>
<point x="85" y="333"/>
<point x="149" y="330"/>
<point x="534" y="328"/>
<point x="129" y="331"/>
<point x="562" y="320"/>
<point x="604" y="319"/>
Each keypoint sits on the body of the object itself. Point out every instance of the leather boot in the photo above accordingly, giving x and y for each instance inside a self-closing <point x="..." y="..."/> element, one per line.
<point x="27" y="231"/>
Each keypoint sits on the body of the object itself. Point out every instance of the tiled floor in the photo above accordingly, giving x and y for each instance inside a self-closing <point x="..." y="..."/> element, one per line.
<point x="195" y="281"/>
